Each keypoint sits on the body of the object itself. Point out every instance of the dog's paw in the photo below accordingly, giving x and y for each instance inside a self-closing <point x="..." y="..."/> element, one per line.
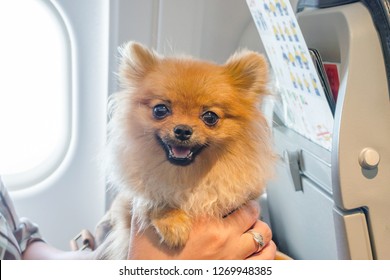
<point x="174" y="227"/>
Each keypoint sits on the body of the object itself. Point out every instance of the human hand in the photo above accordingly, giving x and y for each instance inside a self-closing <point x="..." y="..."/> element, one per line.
<point x="210" y="238"/>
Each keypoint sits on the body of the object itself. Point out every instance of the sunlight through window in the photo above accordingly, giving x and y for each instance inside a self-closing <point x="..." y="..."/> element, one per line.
<point x="35" y="90"/>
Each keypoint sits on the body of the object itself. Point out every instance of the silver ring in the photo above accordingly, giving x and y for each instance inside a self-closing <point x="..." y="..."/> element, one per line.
<point x="258" y="238"/>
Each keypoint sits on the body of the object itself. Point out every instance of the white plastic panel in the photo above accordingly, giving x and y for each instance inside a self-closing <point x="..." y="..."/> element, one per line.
<point x="302" y="221"/>
<point x="202" y="28"/>
<point x="352" y="235"/>
<point x="347" y="34"/>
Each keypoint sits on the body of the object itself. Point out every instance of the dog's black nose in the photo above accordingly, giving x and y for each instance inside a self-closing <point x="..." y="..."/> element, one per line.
<point x="182" y="132"/>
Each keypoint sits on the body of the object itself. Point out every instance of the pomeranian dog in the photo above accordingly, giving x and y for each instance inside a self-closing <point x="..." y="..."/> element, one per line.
<point x="186" y="138"/>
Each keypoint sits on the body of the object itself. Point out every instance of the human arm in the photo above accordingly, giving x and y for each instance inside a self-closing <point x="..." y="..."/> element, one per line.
<point x="40" y="250"/>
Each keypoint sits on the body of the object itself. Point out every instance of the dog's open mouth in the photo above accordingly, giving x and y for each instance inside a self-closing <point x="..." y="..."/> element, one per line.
<point x="180" y="154"/>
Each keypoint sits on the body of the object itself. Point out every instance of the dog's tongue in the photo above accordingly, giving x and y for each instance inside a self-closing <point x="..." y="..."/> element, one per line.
<point x="180" y="152"/>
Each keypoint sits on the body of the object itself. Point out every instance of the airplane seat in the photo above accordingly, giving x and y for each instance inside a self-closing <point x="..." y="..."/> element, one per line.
<point x="380" y="11"/>
<point x="334" y="204"/>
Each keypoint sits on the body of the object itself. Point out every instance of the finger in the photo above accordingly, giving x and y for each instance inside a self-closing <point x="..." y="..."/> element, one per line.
<point x="260" y="231"/>
<point x="267" y="253"/>
<point x="264" y="229"/>
<point x="243" y="218"/>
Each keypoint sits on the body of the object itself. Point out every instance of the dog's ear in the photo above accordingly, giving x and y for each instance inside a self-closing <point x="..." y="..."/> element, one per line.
<point x="248" y="71"/>
<point x="136" y="61"/>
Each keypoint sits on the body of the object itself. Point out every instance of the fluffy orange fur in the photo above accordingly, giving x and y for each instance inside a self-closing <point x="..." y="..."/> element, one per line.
<point x="233" y="158"/>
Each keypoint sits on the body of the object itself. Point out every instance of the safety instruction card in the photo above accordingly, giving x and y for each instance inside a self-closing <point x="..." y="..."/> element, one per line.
<point x="305" y="106"/>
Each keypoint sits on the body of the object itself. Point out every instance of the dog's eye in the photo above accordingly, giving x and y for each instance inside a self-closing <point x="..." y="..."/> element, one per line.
<point x="160" y="111"/>
<point x="210" y="118"/>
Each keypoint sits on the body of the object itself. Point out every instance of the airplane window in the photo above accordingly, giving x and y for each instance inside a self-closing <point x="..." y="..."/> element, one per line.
<point x="35" y="91"/>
